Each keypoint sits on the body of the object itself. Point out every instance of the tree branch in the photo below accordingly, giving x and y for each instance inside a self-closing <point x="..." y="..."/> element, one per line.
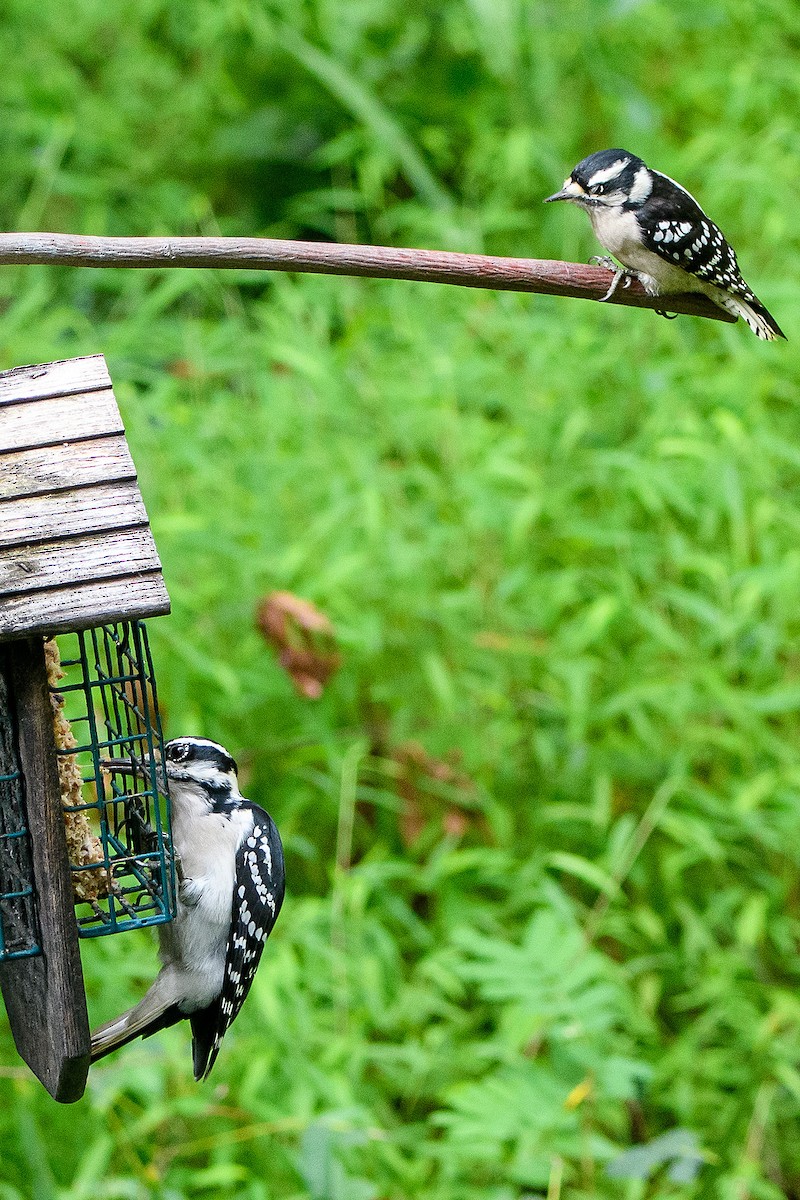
<point x="550" y="278"/>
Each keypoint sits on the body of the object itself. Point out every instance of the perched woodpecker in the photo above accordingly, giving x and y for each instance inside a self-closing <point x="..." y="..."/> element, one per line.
<point x="661" y="234"/>
<point x="230" y="893"/>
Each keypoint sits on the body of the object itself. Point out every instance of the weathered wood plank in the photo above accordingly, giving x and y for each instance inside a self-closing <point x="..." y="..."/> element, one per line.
<point x="66" y="466"/>
<point x="49" y="565"/>
<point x="75" y="545"/>
<point x="83" y="606"/>
<point x="70" y="514"/>
<point x="58" y="419"/>
<point x="44" y="996"/>
<point x="63" y="378"/>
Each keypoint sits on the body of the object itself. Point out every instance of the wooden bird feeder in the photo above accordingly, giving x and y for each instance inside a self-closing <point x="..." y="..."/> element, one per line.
<point x="79" y="854"/>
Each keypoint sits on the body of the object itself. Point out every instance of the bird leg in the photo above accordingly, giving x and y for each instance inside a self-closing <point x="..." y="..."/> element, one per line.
<point x="190" y="892"/>
<point x="620" y="273"/>
<point x="188" y="889"/>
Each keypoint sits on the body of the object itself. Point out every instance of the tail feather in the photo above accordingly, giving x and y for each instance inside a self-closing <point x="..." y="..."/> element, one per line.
<point x="760" y="320"/>
<point x="205" y="1039"/>
<point x="157" y="1010"/>
<point x="119" y="1032"/>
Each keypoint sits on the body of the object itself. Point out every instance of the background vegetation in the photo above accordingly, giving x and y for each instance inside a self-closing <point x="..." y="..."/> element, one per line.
<point x="542" y="827"/>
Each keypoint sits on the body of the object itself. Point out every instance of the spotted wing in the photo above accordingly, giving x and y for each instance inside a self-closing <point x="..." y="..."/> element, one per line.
<point x="257" y="898"/>
<point x="701" y="249"/>
<point x="677" y="230"/>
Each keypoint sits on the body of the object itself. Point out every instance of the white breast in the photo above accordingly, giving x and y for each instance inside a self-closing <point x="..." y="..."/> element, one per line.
<point x="618" y="232"/>
<point x="205" y="843"/>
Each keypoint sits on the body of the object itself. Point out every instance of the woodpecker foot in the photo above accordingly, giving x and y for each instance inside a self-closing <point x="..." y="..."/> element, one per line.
<point x="190" y="892"/>
<point x="666" y="316"/>
<point x="620" y="274"/>
<point x="603" y="260"/>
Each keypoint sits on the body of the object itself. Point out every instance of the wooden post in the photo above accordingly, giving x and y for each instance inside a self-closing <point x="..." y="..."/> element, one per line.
<point x="44" y="996"/>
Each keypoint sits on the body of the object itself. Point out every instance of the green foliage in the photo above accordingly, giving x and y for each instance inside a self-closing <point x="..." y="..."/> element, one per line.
<point x="558" y="544"/>
<point x="678" y="1148"/>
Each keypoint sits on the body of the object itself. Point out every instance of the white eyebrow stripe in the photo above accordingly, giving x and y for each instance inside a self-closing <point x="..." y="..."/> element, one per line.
<point x="611" y="172"/>
<point x="642" y="185"/>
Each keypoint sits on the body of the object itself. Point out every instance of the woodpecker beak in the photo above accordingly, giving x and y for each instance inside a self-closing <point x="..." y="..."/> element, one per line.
<point x="139" y="769"/>
<point x="125" y="766"/>
<point x="570" y="191"/>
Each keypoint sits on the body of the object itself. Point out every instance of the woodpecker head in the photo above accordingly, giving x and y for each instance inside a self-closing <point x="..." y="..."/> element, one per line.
<point x="199" y="760"/>
<point x="609" y="178"/>
<point x="203" y="768"/>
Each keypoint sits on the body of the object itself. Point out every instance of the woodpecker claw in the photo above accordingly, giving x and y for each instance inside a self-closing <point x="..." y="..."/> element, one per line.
<point x="603" y="260"/>
<point x="620" y="274"/>
<point x="190" y="892"/>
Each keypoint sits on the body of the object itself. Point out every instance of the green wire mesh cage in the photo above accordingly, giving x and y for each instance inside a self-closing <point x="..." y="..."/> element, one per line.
<point x="117" y="826"/>
<point x="123" y="872"/>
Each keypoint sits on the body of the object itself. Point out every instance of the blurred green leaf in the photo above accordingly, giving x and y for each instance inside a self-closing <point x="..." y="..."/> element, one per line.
<point x="678" y="1149"/>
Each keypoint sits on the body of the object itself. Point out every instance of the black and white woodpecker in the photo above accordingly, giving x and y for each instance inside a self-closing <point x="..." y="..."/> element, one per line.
<point x="661" y="235"/>
<point x="230" y="893"/>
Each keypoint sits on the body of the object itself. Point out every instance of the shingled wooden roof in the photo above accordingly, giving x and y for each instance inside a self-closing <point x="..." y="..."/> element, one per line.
<point x="75" y="544"/>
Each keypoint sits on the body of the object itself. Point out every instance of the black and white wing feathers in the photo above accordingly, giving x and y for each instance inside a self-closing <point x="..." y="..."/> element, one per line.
<point x="674" y="227"/>
<point x="257" y="898"/>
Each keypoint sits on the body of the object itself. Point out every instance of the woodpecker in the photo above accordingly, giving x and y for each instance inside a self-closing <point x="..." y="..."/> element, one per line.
<point x="231" y="889"/>
<point x="661" y="235"/>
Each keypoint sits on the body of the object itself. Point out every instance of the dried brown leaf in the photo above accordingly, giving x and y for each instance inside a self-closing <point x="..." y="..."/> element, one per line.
<point x="304" y="639"/>
<point x="421" y="782"/>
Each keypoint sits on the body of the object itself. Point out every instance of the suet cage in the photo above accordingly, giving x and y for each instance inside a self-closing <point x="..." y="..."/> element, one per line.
<point x="105" y="706"/>
<point x="83" y="852"/>
<point x="122" y="872"/>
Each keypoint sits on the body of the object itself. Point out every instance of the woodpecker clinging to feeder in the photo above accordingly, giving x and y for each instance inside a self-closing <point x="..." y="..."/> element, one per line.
<point x="661" y="234"/>
<point x="229" y="898"/>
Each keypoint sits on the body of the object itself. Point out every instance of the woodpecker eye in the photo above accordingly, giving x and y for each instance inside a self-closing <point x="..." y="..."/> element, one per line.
<point x="179" y="753"/>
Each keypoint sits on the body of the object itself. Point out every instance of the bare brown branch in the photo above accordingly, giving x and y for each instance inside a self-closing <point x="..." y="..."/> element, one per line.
<point x="547" y="277"/>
